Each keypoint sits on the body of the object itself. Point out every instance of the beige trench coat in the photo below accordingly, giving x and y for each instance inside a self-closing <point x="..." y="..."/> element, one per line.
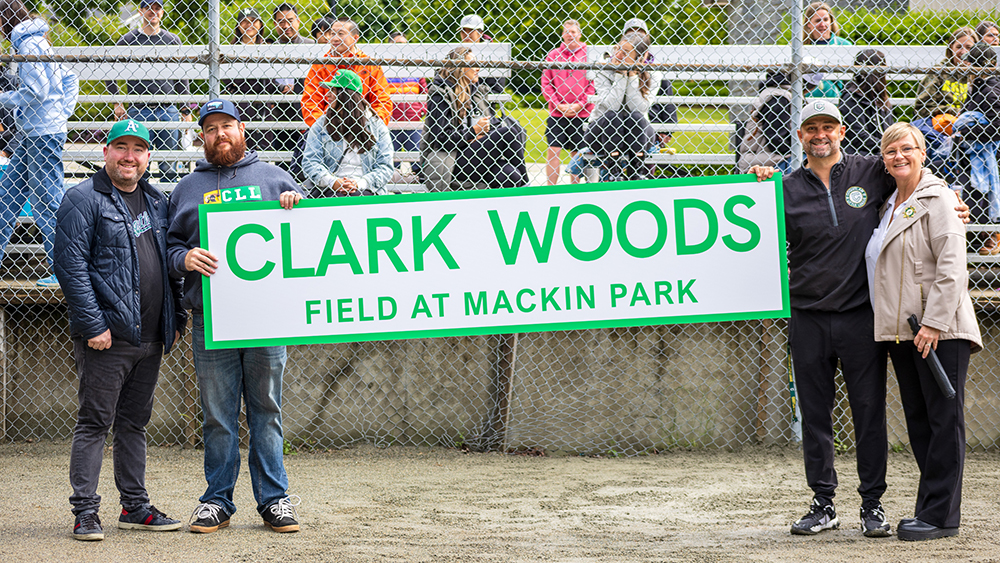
<point x="922" y="269"/>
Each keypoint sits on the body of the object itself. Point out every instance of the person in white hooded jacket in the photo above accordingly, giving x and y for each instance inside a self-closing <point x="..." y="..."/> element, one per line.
<point x="619" y="122"/>
<point x="42" y="104"/>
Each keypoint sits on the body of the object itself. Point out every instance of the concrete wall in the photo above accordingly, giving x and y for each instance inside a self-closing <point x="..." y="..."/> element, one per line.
<point x="613" y="391"/>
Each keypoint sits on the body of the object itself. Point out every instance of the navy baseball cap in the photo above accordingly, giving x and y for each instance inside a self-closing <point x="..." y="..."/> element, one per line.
<point x="218" y="106"/>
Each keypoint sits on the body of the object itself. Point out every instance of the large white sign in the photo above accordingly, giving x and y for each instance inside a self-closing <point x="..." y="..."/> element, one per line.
<point x="496" y="261"/>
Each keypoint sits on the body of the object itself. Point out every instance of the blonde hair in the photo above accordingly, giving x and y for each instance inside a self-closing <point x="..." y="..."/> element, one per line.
<point x="463" y="89"/>
<point x="898" y="131"/>
<point x="810" y="11"/>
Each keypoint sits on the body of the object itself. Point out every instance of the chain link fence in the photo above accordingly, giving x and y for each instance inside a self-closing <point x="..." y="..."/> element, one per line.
<point x="717" y="83"/>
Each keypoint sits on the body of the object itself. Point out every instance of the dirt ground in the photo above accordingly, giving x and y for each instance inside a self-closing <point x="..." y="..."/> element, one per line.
<point x="422" y="504"/>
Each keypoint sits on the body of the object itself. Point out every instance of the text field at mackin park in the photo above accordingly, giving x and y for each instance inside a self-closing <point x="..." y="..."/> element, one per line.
<point x="498" y="261"/>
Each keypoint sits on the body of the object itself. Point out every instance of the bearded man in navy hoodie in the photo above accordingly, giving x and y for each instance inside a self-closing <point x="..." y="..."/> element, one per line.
<point x="226" y="376"/>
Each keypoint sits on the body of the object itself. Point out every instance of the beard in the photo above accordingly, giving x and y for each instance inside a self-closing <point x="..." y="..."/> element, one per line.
<point x="226" y="156"/>
<point x="821" y="151"/>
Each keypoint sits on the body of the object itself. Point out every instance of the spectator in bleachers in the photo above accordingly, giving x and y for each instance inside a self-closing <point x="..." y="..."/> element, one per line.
<point x="658" y="113"/>
<point x="7" y="124"/>
<point x="988" y="33"/>
<point x="942" y="92"/>
<point x="978" y="129"/>
<point x="821" y="28"/>
<point x="473" y="30"/>
<point x="566" y="92"/>
<point x="247" y="32"/>
<point x="407" y="112"/>
<point x="767" y="139"/>
<point x="43" y="102"/>
<point x="636" y="25"/>
<point x="618" y="127"/>
<point x="320" y="29"/>
<point x="460" y="145"/>
<point x="150" y="33"/>
<point x="348" y="149"/>
<point x="286" y="21"/>
<point x="343" y="43"/>
<point x="864" y="104"/>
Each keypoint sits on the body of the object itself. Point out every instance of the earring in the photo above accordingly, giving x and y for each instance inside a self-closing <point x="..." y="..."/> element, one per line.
<point x="885" y="168"/>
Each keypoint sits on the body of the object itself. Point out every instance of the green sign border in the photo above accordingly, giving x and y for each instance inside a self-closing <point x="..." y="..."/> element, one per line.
<point x="205" y="210"/>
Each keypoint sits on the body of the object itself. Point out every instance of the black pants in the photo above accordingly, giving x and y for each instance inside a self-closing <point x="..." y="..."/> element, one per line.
<point x="116" y="390"/>
<point x="818" y="340"/>
<point x="618" y="131"/>
<point x="936" y="426"/>
<point x="496" y="160"/>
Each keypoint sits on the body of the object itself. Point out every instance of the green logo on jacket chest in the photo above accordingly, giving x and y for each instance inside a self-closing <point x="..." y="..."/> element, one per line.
<point x="856" y="197"/>
<point x="229" y="195"/>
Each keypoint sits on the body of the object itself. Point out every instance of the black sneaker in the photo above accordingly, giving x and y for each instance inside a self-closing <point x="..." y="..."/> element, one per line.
<point x="821" y="516"/>
<point x="147" y="518"/>
<point x="873" y="522"/>
<point x="208" y="517"/>
<point x="280" y="515"/>
<point x="88" y="527"/>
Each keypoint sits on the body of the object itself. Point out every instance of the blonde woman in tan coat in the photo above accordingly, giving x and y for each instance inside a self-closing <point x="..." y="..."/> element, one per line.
<point x="916" y="266"/>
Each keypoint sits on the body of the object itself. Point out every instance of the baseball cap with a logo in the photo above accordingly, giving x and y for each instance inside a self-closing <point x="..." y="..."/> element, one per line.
<point x="820" y="107"/>
<point x="472" y="21"/>
<point x="218" y="106"/>
<point x="128" y="128"/>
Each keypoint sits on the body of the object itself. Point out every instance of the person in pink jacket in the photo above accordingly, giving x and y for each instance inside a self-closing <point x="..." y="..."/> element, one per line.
<point x="566" y="91"/>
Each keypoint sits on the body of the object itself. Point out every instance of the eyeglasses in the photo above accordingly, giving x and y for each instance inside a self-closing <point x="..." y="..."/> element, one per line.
<point x="905" y="151"/>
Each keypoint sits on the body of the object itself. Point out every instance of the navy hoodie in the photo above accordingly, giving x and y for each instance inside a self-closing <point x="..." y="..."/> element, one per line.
<point x="209" y="184"/>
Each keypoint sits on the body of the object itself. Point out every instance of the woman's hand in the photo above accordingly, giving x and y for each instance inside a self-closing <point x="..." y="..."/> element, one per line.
<point x="762" y="172"/>
<point x="481" y="127"/>
<point x="926" y="340"/>
<point x="345" y="186"/>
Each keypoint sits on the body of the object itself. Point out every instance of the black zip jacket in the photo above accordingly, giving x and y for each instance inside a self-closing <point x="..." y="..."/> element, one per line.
<point x="827" y="233"/>
<point x="984" y="96"/>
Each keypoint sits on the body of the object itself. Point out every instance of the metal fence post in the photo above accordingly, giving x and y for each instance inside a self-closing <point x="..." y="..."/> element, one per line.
<point x="795" y="11"/>
<point x="214" y="51"/>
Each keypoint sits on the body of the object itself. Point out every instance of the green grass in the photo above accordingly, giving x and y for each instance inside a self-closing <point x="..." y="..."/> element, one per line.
<point x="533" y="121"/>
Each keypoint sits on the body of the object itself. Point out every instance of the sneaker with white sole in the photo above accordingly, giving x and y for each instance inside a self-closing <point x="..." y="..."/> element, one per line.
<point x="208" y="517"/>
<point x="147" y="518"/>
<point x="50" y="281"/>
<point x="88" y="527"/>
<point x="873" y="521"/>
<point x="821" y="516"/>
<point x="280" y="515"/>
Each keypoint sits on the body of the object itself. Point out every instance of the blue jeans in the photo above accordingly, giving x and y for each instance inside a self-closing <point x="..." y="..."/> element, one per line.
<point x="35" y="172"/>
<point x="163" y="139"/>
<point x="225" y="376"/>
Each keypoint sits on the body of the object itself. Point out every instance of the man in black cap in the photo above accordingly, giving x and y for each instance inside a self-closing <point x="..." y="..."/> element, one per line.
<point x="230" y="172"/>
<point x="150" y="33"/>
<point x="124" y="313"/>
